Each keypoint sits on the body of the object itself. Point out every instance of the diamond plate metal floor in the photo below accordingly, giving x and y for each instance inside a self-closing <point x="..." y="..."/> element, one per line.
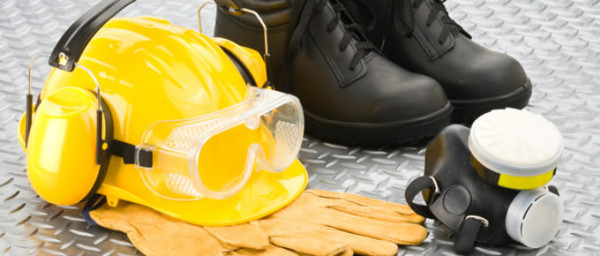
<point x="557" y="41"/>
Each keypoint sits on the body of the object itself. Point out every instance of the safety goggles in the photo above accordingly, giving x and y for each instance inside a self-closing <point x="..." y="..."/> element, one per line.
<point x="214" y="155"/>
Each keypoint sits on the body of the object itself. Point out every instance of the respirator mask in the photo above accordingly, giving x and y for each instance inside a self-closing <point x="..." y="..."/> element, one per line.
<point x="487" y="183"/>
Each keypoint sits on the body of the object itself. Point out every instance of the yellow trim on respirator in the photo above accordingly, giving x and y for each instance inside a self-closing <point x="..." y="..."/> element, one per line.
<point x="525" y="182"/>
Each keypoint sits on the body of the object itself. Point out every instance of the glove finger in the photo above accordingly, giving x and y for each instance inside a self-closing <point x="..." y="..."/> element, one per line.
<point x="270" y="250"/>
<point x="400" y="208"/>
<point x="302" y="238"/>
<point x="325" y="193"/>
<point x="118" y="218"/>
<point x="248" y="235"/>
<point x="400" y="233"/>
<point x="379" y="213"/>
<point x="153" y="233"/>
<point x="311" y="246"/>
<point x="322" y="240"/>
<point x="368" y="207"/>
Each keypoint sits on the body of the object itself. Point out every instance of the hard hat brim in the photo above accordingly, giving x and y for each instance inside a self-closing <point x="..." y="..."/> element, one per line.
<point x="265" y="193"/>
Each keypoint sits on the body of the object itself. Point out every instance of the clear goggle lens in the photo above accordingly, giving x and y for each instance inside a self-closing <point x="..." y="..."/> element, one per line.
<point x="214" y="155"/>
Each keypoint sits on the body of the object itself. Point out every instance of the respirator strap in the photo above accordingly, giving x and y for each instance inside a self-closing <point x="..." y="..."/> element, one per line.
<point x="414" y="188"/>
<point x="131" y="154"/>
<point x="553" y="190"/>
<point x="467" y="235"/>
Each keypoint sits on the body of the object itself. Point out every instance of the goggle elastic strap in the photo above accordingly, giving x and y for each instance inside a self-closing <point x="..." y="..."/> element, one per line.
<point x="131" y="154"/>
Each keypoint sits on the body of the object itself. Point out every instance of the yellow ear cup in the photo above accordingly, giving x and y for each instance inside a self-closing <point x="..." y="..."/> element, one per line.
<point x="61" y="151"/>
<point x="21" y="132"/>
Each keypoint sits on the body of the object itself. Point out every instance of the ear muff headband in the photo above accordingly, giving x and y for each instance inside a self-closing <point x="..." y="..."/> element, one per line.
<point x="105" y="150"/>
<point x="73" y="42"/>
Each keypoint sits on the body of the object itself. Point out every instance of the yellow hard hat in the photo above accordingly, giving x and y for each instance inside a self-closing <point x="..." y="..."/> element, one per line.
<point x="180" y="129"/>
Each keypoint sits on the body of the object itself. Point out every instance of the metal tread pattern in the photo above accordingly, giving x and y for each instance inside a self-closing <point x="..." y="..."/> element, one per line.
<point x="557" y="41"/>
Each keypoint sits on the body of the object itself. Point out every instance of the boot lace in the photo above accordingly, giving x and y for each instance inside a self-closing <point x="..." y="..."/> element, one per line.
<point x="450" y="26"/>
<point x="351" y="29"/>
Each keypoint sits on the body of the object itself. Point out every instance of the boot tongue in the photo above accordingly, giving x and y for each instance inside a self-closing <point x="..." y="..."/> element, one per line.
<point x="453" y="27"/>
<point x="362" y="12"/>
<point x="303" y="14"/>
<point x="361" y="42"/>
<point x="357" y="31"/>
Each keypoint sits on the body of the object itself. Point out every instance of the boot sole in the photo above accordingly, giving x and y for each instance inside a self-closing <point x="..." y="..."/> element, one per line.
<point x="465" y="112"/>
<point x="407" y="132"/>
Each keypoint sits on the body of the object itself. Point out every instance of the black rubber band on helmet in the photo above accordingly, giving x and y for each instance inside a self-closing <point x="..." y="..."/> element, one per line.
<point x="105" y="158"/>
<point x="95" y="202"/>
<point x="242" y="69"/>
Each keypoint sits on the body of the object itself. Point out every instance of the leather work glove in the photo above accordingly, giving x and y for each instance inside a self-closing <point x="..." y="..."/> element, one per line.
<point x="154" y="233"/>
<point x="317" y="223"/>
<point x="322" y="223"/>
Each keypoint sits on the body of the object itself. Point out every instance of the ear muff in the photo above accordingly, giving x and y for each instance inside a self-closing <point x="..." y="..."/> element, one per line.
<point x="61" y="150"/>
<point x="67" y="157"/>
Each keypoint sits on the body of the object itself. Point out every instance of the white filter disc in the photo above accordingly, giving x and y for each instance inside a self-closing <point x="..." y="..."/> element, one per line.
<point x="534" y="217"/>
<point x="516" y="142"/>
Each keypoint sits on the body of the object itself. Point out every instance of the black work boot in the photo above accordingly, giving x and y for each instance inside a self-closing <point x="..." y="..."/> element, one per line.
<point x="421" y="37"/>
<point x="351" y="94"/>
